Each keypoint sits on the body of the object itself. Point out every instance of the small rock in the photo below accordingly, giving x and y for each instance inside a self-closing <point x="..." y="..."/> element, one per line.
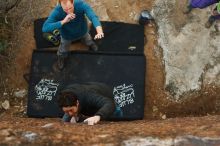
<point x="10" y="138"/>
<point x="155" y="109"/>
<point x="150" y="25"/>
<point x="21" y="110"/>
<point x="20" y="93"/>
<point x="136" y="17"/>
<point x="205" y="127"/>
<point x="30" y="136"/>
<point x="47" y="125"/>
<point x="6" y="105"/>
<point x="103" y="136"/>
<point x="132" y="14"/>
<point x="59" y="136"/>
<point x="164" y="117"/>
<point x="5" y="132"/>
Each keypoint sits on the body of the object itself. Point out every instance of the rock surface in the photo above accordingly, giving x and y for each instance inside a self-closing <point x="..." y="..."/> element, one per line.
<point x="190" y="51"/>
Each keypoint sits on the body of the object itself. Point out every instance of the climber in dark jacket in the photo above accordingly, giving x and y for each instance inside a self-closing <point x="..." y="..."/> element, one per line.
<point x="89" y="102"/>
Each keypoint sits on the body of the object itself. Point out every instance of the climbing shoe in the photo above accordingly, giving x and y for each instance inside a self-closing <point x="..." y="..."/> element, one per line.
<point x="93" y="47"/>
<point x="51" y="38"/>
<point x="210" y="22"/>
<point x="56" y="33"/>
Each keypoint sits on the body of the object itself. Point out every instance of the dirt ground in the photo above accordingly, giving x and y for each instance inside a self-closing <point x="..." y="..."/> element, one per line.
<point x="23" y="131"/>
<point x="15" y="126"/>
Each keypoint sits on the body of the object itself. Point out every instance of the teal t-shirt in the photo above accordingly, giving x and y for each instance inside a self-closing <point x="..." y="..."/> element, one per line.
<point x="77" y="27"/>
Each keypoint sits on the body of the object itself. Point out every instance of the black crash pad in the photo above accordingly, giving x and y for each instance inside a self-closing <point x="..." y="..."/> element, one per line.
<point x="125" y="74"/>
<point x="119" y="37"/>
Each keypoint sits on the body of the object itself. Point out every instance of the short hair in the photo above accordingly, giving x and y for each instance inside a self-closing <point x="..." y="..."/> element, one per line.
<point x="66" y="99"/>
<point x="59" y="1"/>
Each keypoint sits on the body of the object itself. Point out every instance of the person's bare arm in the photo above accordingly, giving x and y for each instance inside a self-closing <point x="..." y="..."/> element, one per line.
<point x="100" y="33"/>
<point x="93" y="120"/>
<point x="68" y="18"/>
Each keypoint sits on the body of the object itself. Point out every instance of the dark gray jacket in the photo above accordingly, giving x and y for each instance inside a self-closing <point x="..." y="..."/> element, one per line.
<point x="94" y="99"/>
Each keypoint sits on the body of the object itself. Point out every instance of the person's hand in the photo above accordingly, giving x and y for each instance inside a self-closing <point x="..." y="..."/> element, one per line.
<point x="100" y="33"/>
<point x="74" y="119"/>
<point x="68" y="18"/>
<point x="99" y="36"/>
<point x="92" y="120"/>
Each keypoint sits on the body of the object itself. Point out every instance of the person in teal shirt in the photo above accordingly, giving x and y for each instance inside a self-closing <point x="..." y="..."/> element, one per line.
<point x="69" y="18"/>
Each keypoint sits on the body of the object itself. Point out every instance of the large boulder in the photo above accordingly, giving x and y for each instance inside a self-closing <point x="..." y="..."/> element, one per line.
<point x="191" y="52"/>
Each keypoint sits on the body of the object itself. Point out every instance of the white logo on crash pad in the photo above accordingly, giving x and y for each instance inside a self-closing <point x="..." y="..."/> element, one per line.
<point x="46" y="89"/>
<point x="124" y="95"/>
